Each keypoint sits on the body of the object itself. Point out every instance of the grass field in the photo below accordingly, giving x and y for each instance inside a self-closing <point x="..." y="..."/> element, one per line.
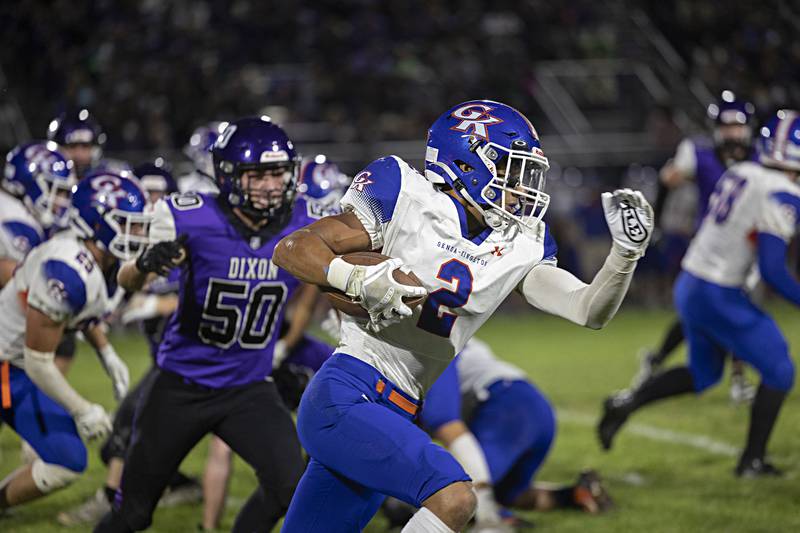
<point x="671" y="469"/>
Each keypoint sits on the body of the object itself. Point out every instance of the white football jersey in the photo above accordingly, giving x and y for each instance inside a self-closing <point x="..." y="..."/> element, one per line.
<point x="478" y="369"/>
<point x="19" y="230"/>
<point x="467" y="279"/>
<point x="197" y="182"/>
<point x="61" y="279"/>
<point x="749" y="199"/>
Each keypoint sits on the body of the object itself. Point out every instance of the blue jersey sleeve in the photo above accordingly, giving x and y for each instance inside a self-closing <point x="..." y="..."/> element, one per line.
<point x="17" y="239"/>
<point x="373" y="195"/>
<point x="550" y="246"/>
<point x="58" y="291"/>
<point x="773" y="267"/>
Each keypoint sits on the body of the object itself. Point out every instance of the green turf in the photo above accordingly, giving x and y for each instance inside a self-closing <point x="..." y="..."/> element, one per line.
<point x="658" y="486"/>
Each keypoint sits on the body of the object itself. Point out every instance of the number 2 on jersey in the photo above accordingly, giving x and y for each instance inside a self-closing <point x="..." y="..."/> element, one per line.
<point x="433" y="318"/>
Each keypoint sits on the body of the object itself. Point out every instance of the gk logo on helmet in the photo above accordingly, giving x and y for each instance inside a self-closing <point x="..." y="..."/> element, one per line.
<point x="474" y="119"/>
<point x="361" y="181"/>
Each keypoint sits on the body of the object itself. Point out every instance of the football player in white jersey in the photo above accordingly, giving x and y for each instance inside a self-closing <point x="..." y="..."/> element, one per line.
<point x="752" y="216"/>
<point x="34" y="199"/>
<point x="472" y="233"/>
<point x="63" y="283"/>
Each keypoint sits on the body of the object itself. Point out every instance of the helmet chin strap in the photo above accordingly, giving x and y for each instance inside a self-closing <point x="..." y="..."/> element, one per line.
<point x="492" y="218"/>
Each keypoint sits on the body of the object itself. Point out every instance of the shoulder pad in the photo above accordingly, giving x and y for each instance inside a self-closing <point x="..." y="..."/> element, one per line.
<point x="64" y="284"/>
<point x="22" y="236"/>
<point x="378" y="186"/>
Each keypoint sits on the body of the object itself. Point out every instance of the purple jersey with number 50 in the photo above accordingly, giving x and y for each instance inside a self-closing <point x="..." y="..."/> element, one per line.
<point x="232" y="297"/>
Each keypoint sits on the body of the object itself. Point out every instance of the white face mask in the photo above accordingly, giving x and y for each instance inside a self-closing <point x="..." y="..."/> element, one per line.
<point x="516" y="190"/>
<point x="131" y="233"/>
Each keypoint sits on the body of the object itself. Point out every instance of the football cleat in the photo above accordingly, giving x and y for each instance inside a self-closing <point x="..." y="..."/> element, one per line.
<point x="590" y="494"/>
<point x="88" y="513"/>
<point x="753" y="468"/>
<point x="615" y="413"/>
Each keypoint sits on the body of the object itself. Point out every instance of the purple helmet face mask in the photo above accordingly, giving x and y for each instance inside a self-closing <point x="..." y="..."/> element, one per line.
<point x="490" y="153"/>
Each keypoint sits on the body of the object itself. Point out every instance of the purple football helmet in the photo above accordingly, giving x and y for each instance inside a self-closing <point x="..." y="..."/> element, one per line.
<point x="256" y="144"/>
<point x="156" y="179"/>
<point x="198" y="149"/>
<point x="490" y="154"/>
<point x="733" y="125"/>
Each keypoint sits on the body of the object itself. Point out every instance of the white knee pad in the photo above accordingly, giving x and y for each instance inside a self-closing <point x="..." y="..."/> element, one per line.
<point x="27" y="453"/>
<point x="49" y="477"/>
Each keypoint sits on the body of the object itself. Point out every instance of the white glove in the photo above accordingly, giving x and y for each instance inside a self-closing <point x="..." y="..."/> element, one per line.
<point x="279" y="354"/>
<point x="93" y="423"/>
<point x="116" y="369"/>
<point x="375" y="288"/>
<point x="140" y="307"/>
<point x="630" y="220"/>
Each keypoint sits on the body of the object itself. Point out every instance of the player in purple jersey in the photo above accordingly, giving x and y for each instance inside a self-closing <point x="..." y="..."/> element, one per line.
<point x="216" y="355"/>
<point x="703" y="160"/>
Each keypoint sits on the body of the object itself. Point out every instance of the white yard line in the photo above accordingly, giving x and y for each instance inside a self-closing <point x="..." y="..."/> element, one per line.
<point x="693" y="440"/>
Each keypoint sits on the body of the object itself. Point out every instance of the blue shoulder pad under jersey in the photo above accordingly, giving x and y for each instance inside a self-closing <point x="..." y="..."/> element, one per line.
<point x="376" y="188"/>
<point x="22" y="236"/>
<point x="550" y="246"/>
<point x="443" y="401"/>
<point x="65" y="285"/>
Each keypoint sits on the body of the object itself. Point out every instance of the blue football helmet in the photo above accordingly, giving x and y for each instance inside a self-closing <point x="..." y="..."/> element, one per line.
<point x="42" y="178"/>
<point x="256" y="144"/>
<point x="490" y="154"/>
<point x="779" y="141"/>
<point x="321" y="180"/>
<point x="198" y="150"/>
<point x="109" y="209"/>
<point x="156" y="180"/>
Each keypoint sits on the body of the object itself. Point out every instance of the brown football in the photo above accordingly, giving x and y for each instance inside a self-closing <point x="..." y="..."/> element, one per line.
<point x="346" y="305"/>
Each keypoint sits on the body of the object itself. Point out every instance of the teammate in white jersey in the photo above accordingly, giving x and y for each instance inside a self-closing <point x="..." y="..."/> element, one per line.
<point x="472" y="233"/>
<point x="34" y="199"/>
<point x="752" y="216"/>
<point x="482" y="399"/>
<point x="63" y="283"/>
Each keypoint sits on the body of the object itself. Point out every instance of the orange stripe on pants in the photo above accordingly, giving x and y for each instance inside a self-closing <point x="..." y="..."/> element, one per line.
<point x="5" y="386"/>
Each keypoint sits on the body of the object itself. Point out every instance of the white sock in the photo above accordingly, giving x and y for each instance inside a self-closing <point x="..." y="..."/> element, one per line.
<point x="424" y="521"/>
<point x="469" y="454"/>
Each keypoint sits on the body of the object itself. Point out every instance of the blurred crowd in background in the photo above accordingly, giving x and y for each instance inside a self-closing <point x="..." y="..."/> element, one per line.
<point x="359" y="71"/>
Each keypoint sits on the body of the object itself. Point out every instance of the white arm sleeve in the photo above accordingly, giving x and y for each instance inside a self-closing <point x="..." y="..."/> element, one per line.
<point x="685" y="159"/>
<point x="556" y="291"/>
<point x="162" y="226"/>
<point x="39" y="366"/>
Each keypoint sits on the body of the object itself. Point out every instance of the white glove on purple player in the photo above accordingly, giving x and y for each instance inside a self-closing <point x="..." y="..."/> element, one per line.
<point x="630" y="220"/>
